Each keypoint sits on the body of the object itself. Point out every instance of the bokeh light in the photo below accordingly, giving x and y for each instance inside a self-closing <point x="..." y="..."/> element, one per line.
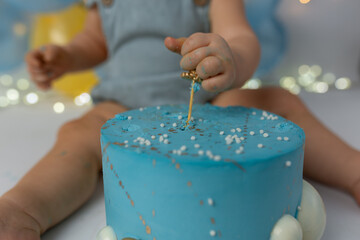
<point x="343" y="83"/>
<point x="4" y="101"/>
<point x="23" y="84"/>
<point x="253" y="83"/>
<point x="59" y="107"/>
<point x="12" y="94"/>
<point x="6" y="80"/>
<point x="31" y="98"/>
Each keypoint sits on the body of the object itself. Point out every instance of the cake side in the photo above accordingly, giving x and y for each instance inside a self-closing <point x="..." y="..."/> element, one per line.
<point x="230" y="190"/>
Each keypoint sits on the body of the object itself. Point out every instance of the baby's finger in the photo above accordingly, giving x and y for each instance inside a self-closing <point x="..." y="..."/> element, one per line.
<point x="215" y="84"/>
<point x="210" y="67"/>
<point x="192" y="59"/>
<point x="34" y="59"/>
<point x="174" y="44"/>
<point x="50" y="53"/>
<point x="197" y="40"/>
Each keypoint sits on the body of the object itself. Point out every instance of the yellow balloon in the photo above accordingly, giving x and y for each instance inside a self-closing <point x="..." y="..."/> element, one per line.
<point x="59" y="28"/>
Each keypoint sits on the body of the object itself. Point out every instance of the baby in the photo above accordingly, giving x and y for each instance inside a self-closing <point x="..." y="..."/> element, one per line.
<point x="127" y="37"/>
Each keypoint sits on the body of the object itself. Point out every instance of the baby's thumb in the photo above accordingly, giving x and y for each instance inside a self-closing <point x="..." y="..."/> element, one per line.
<point x="50" y="53"/>
<point x="174" y="44"/>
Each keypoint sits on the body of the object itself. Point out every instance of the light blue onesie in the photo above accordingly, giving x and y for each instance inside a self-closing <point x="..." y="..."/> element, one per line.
<point x="140" y="70"/>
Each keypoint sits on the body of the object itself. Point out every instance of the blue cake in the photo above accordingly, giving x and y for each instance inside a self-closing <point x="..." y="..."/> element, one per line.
<point x="232" y="173"/>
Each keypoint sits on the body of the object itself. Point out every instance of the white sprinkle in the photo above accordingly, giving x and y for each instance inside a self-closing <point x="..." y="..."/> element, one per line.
<point x="260" y="145"/>
<point x="237" y="140"/>
<point x="261" y="131"/>
<point x="180" y="117"/>
<point x="129" y="117"/>
<point x="200" y="119"/>
<point x="183" y="148"/>
<point x="209" y="153"/>
<point x="201" y="152"/>
<point x="279" y="138"/>
<point x="148" y="143"/>
<point x="193" y="138"/>
<point x="262" y="118"/>
<point x="253" y="113"/>
<point x="197" y="145"/>
<point x="153" y="137"/>
<point x="126" y="146"/>
<point x="252" y="133"/>
<point x="217" y="158"/>
<point x="238" y="129"/>
<point x="162" y="125"/>
<point x="174" y="125"/>
<point x="221" y="132"/>
<point x="158" y="107"/>
<point x="212" y="233"/>
<point x="242" y="138"/>
<point x="165" y="135"/>
<point x="210" y="201"/>
<point x="166" y="141"/>
<point x="126" y="141"/>
<point x="232" y="130"/>
<point x="141" y="109"/>
<point x="192" y="119"/>
<point x="179" y="152"/>
<point x="161" y="138"/>
<point x="286" y="138"/>
<point x="240" y="150"/>
<point x="288" y="163"/>
<point x="265" y="135"/>
<point x="174" y="151"/>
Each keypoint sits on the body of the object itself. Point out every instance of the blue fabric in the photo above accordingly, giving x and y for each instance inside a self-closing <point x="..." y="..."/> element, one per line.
<point x="36" y="6"/>
<point x="270" y="32"/>
<point x="140" y="70"/>
<point x="13" y="46"/>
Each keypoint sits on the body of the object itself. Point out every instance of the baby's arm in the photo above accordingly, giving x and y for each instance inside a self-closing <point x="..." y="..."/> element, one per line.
<point x="226" y="57"/>
<point x="85" y="51"/>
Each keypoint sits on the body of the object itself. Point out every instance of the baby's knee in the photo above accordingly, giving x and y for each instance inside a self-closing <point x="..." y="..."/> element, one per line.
<point x="287" y="102"/>
<point x="73" y="130"/>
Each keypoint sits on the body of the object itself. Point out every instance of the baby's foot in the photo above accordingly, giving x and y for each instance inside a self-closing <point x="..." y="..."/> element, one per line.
<point x="15" y="224"/>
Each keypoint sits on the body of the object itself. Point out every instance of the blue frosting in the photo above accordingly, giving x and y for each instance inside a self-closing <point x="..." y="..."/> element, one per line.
<point x="231" y="174"/>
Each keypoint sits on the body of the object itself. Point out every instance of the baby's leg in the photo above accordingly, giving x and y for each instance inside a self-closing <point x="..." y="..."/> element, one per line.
<point x="327" y="158"/>
<point x="63" y="179"/>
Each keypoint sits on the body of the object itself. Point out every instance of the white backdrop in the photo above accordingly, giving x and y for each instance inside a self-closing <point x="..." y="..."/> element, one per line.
<point x="321" y="32"/>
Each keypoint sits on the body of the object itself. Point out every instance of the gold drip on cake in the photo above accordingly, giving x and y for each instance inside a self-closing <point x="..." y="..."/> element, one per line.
<point x="194" y="77"/>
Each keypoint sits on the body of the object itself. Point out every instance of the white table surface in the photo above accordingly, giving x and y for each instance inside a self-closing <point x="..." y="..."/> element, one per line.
<point x="26" y="133"/>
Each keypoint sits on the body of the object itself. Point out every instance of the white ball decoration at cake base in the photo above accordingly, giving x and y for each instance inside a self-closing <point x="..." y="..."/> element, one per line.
<point x="287" y="228"/>
<point x="107" y="233"/>
<point x="312" y="214"/>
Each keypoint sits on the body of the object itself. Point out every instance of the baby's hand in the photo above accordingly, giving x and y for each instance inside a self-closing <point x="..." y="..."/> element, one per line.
<point x="210" y="55"/>
<point x="47" y="64"/>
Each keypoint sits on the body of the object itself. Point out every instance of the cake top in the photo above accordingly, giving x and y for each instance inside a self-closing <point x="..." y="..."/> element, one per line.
<point x="216" y="134"/>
